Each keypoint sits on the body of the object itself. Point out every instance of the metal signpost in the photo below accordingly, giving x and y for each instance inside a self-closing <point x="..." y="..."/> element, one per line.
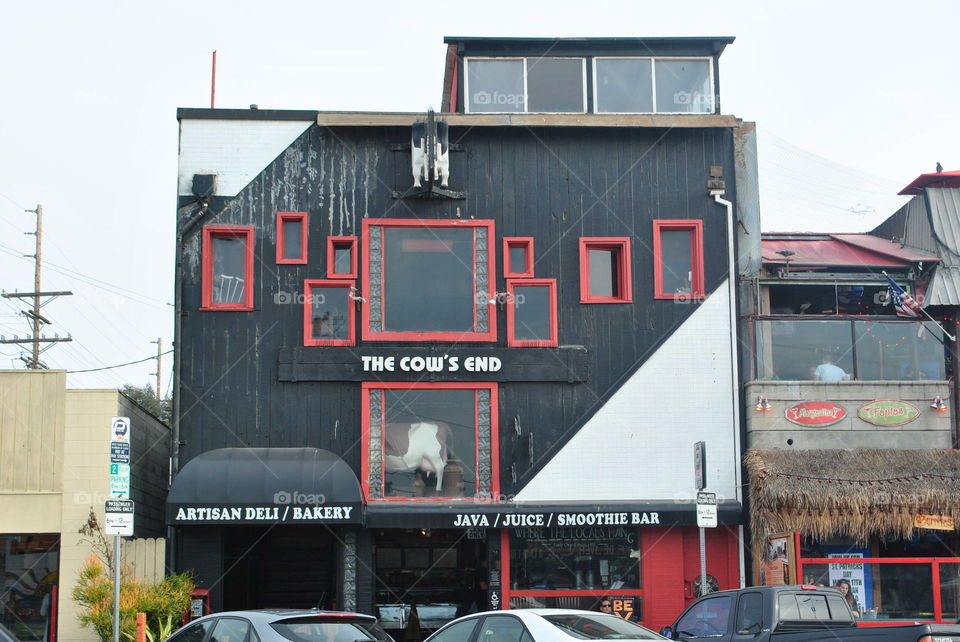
<point x="703" y="502"/>
<point x="118" y="511"/>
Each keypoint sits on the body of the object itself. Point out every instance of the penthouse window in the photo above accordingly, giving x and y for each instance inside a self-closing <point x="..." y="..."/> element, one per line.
<point x="556" y="85"/>
<point x="428" y="280"/>
<point x="644" y="85"/>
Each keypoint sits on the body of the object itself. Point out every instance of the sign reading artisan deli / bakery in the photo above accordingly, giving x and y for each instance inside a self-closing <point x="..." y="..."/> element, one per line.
<point x="815" y="414"/>
<point x="888" y="412"/>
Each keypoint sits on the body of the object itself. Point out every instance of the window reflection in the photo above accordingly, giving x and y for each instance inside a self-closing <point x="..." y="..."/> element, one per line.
<point x="793" y="349"/>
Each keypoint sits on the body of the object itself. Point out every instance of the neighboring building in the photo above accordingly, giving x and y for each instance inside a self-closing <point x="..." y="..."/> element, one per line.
<point x="55" y="454"/>
<point x="853" y="426"/>
<point x="553" y="311"/>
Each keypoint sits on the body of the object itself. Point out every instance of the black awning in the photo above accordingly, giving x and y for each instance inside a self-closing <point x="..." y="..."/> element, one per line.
<point x="471" y="514"/>
<point x="265" y="486"/>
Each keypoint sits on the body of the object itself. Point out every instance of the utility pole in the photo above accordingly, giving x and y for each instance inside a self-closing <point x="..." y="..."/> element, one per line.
<point x="34" y="315"/>
<point x="159" y="343"/>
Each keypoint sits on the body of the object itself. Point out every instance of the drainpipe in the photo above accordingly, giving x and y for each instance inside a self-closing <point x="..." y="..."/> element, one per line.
<point x="182" y="231"/>
<point x="734" y="353"/>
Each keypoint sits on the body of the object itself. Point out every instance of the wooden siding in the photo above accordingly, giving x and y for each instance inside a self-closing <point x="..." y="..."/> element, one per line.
<point x="145" y="557"/>
<point x="32" y="418"/>
<point x="553" y="184"/>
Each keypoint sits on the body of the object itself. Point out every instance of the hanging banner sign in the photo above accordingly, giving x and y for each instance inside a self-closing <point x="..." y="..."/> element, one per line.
<point x="815" y="414"/>
<point x="934" y="522"/>
<point x="888" y="412"/>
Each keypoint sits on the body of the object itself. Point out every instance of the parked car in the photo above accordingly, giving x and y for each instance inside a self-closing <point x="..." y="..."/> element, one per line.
<point x="541" y="625"/>
<point x="798" y="613"/>
<point x="282" y="626"/>
<point x="6" y="635"/>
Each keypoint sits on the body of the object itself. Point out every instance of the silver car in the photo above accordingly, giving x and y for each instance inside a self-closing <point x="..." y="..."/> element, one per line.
<point x="280" y="625"/>
<point x="541" y="625"/>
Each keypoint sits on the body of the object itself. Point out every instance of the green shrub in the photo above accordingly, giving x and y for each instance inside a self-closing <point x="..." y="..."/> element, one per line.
<point x="164" y="602"/>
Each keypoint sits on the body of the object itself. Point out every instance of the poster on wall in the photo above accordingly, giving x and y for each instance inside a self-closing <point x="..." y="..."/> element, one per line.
<point x="779" y="561"/>
<point x="858" y="575"/>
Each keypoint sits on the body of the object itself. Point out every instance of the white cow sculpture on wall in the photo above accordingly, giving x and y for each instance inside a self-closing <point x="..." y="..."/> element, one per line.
<point x="417" y="446"/>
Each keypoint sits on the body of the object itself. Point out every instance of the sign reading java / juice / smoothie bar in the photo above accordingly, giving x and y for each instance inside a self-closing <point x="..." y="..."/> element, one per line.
<point x="815" y="414"/>
<point x="888" y="412"/>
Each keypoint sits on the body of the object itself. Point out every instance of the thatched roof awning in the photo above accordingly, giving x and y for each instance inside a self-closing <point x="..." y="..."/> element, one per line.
<point x="857" y="493"/>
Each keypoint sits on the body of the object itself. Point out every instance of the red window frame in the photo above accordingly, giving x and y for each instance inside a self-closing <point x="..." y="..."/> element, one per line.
<point x="286" y="217"/>
<point x="490" y="335"/>
<point x="308" y="286"/>
<point x="512" y="342"/>
<point x="517" y="241"/>
<point x="624" y="268"/>
<point x="335" y="242"/>
<point x="365" y="388"/>
<point x="211" y="232"/>
<point x="696" y="257"/>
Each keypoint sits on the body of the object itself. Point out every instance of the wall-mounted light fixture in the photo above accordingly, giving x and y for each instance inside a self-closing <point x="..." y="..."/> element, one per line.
<point x="763" y="405"/>
<point x="938" y="404"/>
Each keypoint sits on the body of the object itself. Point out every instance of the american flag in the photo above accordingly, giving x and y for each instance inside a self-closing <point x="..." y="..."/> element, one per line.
<point x="905" y="304"/>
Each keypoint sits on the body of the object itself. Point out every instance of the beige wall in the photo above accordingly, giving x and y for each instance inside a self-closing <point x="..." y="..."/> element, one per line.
<point x="86" y="485"/>
<point x="54" y="467"/>
<point x="771" y="429"/>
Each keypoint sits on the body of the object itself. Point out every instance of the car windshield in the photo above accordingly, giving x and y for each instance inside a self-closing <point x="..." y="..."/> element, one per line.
<point x="600" y="627"/>
<point x="339" y="630"/>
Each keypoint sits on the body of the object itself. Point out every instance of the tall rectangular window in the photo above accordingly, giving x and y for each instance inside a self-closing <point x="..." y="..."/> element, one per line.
<point x="428" y="280"/>
<point x="678" y="259"/>
<point x="532" y="313"/>
<point x="328" y="313"/>
<point x="227" y="268"/>
<point x="605" y="270"/>
<point x="342" y="257"/>
<point x="517" y="257"/>
<point x="429" y="440"/>
<point x="291" y="237"/>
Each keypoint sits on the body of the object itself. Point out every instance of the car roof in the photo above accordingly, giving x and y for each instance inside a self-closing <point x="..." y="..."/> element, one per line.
<point x="272" y="615"/>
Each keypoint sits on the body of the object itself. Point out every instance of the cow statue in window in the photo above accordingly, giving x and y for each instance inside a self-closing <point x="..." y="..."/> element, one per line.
<point x="417" y="446"/>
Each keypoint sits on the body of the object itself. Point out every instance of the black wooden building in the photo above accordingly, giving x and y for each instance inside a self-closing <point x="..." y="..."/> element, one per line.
<point x="460" y="360"/>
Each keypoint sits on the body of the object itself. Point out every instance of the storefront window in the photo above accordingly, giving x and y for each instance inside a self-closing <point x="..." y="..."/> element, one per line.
<point x="894" y="591"/>
<point x="891" y="351"/>
<point x="429" y="440"/>
<point x="30" y="565"/>
<point x="596" y="558"/>
<point x="950" y="590"/>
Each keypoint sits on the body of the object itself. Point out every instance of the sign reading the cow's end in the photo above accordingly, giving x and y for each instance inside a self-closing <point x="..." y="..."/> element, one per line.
<point x="444" y="363"/>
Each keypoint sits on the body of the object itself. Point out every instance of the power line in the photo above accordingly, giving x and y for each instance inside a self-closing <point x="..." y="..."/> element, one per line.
<point x="129" y="363"/>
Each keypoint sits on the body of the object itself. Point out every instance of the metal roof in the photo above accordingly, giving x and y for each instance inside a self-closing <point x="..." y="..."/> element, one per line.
<point x="840" y="250"/>
<point x="934" y="179"/>
<point x="944" y="204"/>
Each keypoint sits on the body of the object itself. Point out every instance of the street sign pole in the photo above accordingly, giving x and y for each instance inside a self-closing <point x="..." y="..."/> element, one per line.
<point x="116" y="588"/>
<point x="118" y="512"/>
<point x="704" y="585"/>
<point x="700" y="481"/>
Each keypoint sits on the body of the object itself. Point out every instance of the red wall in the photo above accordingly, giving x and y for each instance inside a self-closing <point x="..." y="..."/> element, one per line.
<point x="671" y="561"/>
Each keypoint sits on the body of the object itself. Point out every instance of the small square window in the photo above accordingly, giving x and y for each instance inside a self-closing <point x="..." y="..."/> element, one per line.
<point x="291" y="238"/>
<point x="678" y="259"/>
<point x="328" y="313"/>
<point x="517" y="257"/>
<point x="605" y="270"/>
<point x="532" y="313"/>
<point x="227" y="268"/>
<point x="342" y="257"/>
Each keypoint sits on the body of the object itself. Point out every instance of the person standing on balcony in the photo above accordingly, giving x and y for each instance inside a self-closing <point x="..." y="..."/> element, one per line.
<point x="826" y="371"/>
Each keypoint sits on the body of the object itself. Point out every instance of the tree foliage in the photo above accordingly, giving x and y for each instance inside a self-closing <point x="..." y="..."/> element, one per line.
<point x="146" y="397"/>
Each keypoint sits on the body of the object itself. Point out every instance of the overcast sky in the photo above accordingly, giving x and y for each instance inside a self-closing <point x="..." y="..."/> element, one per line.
<point x="852" y="101"/>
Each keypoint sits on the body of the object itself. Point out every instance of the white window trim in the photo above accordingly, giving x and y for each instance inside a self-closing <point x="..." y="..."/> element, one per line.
<point x="653" y="82"/>
<point x="523" y="61"/>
